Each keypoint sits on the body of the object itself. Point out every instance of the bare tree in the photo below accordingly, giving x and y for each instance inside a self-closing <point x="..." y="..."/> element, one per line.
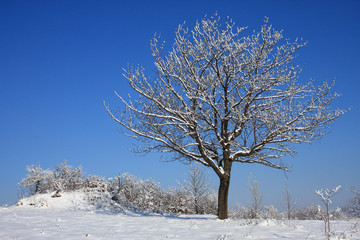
<point x="196" y="186"/>
<point x="325" y="196"/>
<point x="220" y="97"/>
<point x="256" y="197"/>
<point x="289" y="202"/>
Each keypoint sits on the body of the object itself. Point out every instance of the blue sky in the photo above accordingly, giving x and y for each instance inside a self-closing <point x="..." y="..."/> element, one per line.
<point x="60" y="59"/>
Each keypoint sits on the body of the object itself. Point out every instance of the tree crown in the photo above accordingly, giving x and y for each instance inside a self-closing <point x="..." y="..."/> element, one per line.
<point x="220" y="97"/>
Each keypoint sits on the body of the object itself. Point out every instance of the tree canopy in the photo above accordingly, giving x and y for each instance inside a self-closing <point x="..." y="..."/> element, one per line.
<point x="220" y="96"/>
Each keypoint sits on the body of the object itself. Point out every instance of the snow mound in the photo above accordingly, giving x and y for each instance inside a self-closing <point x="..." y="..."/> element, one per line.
<point x="66" y="200"/>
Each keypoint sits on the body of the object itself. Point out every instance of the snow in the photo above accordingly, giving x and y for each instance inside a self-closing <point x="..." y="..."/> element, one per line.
<point x="71" y="217"/>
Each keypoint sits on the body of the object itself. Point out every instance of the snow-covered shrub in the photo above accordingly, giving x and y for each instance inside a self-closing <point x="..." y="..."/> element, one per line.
<point x="94" y="183"/>
<point x="66" y="178"/>
<point x="123" y="191"/>
<point x="238" y="212"/>
<point x="338" y="214"/>
<point x="135" y="192"/>
<point x="316" y="213"/>
<point x="308" y="213"/>
<point x="62" y="178"/>
<point x="148" y="196"/>
<point x="34" y="182"/>
<point x="183" y="202"/>
<point x="151" y="199"/>
<point x="141" y="194"/>
<point x="95" y="188"/>
<point x="101" y="193"/>
<point x="271" y="213"/>
<point x="131" y="189"/>
<point x="353" y="206"/>
<point x="209" y="203"/>
<point x="170" y="201"/>
<point x="198" y="191"/>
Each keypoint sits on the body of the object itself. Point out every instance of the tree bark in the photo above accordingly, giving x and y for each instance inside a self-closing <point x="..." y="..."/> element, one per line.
<point x="223" y="197"/>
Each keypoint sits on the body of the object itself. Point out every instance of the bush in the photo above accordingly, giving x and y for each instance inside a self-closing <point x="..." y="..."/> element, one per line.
<point x="272" y="213"/>
<point x="62" y="178"/>
<point x="317" y="213"/>
<point x="135" y="192"/>
<point x="353" y="206"/>
<point x="118" y="193"/>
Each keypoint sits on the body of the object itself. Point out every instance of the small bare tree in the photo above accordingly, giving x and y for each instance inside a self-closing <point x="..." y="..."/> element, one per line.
<point x="325" y="196"/>
<point x="289" y="202"/>
<point x="197" y="186"/>
<point x="221" y="97"/>
<point x="256" y="197"/>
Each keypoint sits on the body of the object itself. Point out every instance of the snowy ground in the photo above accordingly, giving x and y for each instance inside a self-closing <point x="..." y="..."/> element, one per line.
<point x="70" y="217"/>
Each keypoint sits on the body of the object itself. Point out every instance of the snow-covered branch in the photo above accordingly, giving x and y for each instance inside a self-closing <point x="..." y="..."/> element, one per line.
<point x="219" y="96"/>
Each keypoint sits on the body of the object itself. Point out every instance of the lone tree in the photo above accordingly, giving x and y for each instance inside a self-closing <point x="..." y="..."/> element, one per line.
<point x="220" y="97"/>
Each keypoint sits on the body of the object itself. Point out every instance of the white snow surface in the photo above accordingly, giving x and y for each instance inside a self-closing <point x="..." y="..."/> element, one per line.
<point x="71" y="217"/>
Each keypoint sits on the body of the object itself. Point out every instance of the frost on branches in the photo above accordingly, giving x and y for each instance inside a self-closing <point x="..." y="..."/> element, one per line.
<point x="200" y="191"/>
<point x="353" y="207"/>
<point x="121" y="193"/>
<point x="325" y="196"/>
<point x="220" y="96"/>
<point x="62" y="178"/>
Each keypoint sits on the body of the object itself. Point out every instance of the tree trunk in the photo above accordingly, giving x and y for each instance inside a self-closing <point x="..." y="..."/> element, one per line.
<point x="223" y="197"/>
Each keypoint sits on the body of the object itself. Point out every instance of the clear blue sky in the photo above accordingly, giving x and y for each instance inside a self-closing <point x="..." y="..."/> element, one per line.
<point x="60" y="59"/>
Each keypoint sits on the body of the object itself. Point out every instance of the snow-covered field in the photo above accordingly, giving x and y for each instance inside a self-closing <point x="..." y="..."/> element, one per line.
<point x="70" y="217"/>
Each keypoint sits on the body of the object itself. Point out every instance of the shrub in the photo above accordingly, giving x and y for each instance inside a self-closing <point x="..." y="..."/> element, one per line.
<point x="118" y="193"/>
<point x="62" y="178"/>
<point x="353" y="206"/>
